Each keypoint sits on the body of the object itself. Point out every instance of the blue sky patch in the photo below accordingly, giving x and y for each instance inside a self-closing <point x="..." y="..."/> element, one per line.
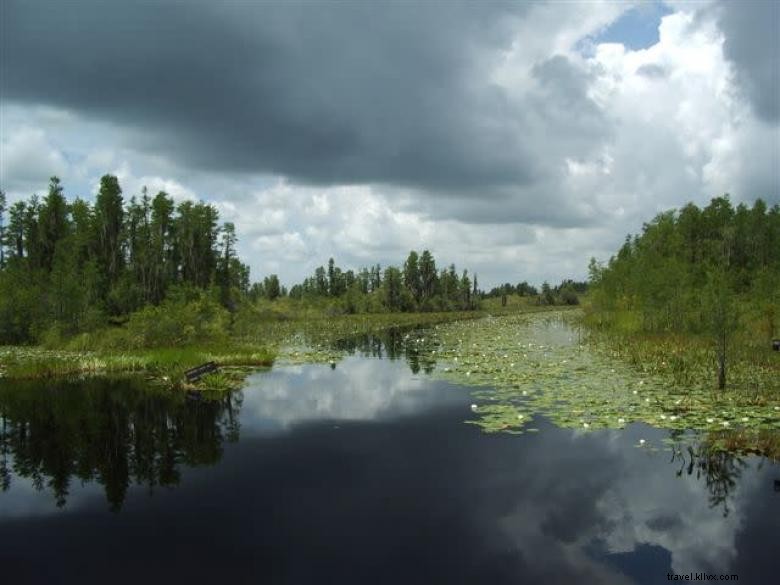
<point x="637" y="28"/>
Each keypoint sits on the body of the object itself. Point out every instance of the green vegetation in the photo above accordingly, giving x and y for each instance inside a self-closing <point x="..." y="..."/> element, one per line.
<point x="699" y="290"/>
<point x="566" y="293"/>
<point x="542" y="363"/>
<point x="417" y="286"/>
<point x="110" y="287"/>
<point x="165" y="365"/>
<point x="71" y="268"/>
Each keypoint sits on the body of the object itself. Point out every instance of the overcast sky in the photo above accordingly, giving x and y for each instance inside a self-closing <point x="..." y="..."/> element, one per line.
<point x="515" y="139"/>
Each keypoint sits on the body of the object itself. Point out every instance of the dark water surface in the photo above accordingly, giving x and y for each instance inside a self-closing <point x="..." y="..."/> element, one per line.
<point x="360" y="474"/>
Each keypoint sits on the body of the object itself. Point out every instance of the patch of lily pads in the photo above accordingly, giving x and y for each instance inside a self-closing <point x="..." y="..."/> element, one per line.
<point x="537" y="364"/>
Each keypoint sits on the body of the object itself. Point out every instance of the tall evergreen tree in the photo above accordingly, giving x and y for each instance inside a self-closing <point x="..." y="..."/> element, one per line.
<point x="109" y="215"/>
<point x="411" y="276"/>
<point x="428" y="276"/>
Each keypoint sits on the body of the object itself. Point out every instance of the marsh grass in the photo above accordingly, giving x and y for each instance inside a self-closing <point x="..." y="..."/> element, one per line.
<point x="690" y="362"/>
<point x="165" y="364"/>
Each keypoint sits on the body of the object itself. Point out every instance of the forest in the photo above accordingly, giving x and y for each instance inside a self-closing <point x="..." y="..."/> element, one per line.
<point x="709" y="273"/>
<point x="68" y="267"/>
<point x="150" y="271"/>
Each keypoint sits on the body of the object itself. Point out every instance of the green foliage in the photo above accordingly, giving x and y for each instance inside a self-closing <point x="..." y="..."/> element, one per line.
<point x="539" y="363"/>
<point x="66" y="267"/>
<point x="712" y="273"/>
<point x="415" y="287"/>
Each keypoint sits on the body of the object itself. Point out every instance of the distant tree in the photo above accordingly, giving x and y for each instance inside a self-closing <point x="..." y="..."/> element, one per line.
<point x="271" y="287"/>
<point x="547" y="294"/>
<point x="376" y="277"/>
<point x="465" y="290"/>
<point x="393" y="289"/>
<point x="411" y="276"/>
<point x="109" y="215"/>
<point x="15" y="233"/>
<point x="162" y="247"/>
<point x="428" y="276"/>
<point x="332" y="285"/>
<point x="722" y="317"/>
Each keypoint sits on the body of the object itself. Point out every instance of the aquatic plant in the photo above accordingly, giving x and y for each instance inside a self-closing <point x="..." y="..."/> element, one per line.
<point x="527" y="365"/>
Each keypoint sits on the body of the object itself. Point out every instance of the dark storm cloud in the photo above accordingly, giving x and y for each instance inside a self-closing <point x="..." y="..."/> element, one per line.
<point x="329" y="92"/>
<point x="752" y="43"/>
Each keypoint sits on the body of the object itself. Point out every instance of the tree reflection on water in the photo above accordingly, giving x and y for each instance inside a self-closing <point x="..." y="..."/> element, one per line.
<point x="113" y="432"/>
<point x="719" y="469"/>
<point x="393" y="343"/>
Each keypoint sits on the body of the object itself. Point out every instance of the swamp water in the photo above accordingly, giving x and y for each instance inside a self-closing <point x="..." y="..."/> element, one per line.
<point x="362" y="472"/>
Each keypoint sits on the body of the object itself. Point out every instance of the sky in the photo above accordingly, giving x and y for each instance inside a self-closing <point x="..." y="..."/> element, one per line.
<point x="515" y="139"/>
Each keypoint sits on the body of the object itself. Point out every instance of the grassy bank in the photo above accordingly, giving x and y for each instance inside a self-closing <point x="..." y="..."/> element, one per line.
<point x="163" y="364"/>
<point x="690" y="362"/>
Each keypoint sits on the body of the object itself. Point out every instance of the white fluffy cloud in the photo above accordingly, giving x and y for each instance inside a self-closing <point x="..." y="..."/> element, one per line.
<point x="28" y="157"/>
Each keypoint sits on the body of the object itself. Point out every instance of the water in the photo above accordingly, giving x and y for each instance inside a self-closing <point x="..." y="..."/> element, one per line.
<point x="365" y="473"/>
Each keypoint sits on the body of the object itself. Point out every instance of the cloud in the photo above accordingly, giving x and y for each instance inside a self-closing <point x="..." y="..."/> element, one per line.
<point x="328" y="93"/>
<point x="28" y="158"/>
<point x="752" y="44"/>
<point x="507" y="138"/>
<point x="651" y="70"/>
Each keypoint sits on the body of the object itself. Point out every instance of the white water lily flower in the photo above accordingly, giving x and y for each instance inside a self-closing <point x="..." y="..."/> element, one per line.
<point x="641" y="441"/>
<point x="468" y="373"/>
<point x="647" y="400"/>
<point x="525" y="393"/>
<point x="745" y="419"/>
<point x="725" y="423"/>
<point x="586" y="425"/>
<point x="512" y="365"/>
<point x="672" y="417"/>
<point x="641" y="382"/>
<point x="678" y="402"/>
<point x="474" y="408"/>
<point x="621" y="421"/>
<point x="519" y="416"/>
<point x="710" y="420"/>
<point x="663" y="417"/>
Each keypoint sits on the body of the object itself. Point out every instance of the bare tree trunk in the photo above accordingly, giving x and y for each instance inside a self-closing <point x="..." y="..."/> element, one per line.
<point x="722" y="361"/>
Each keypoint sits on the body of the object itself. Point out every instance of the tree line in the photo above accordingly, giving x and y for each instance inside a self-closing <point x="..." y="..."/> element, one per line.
<point x="75" y="266"/>
<point x="566" y="293"/>
<point x="416" y="286"/>
<point x="712" y="271"/>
